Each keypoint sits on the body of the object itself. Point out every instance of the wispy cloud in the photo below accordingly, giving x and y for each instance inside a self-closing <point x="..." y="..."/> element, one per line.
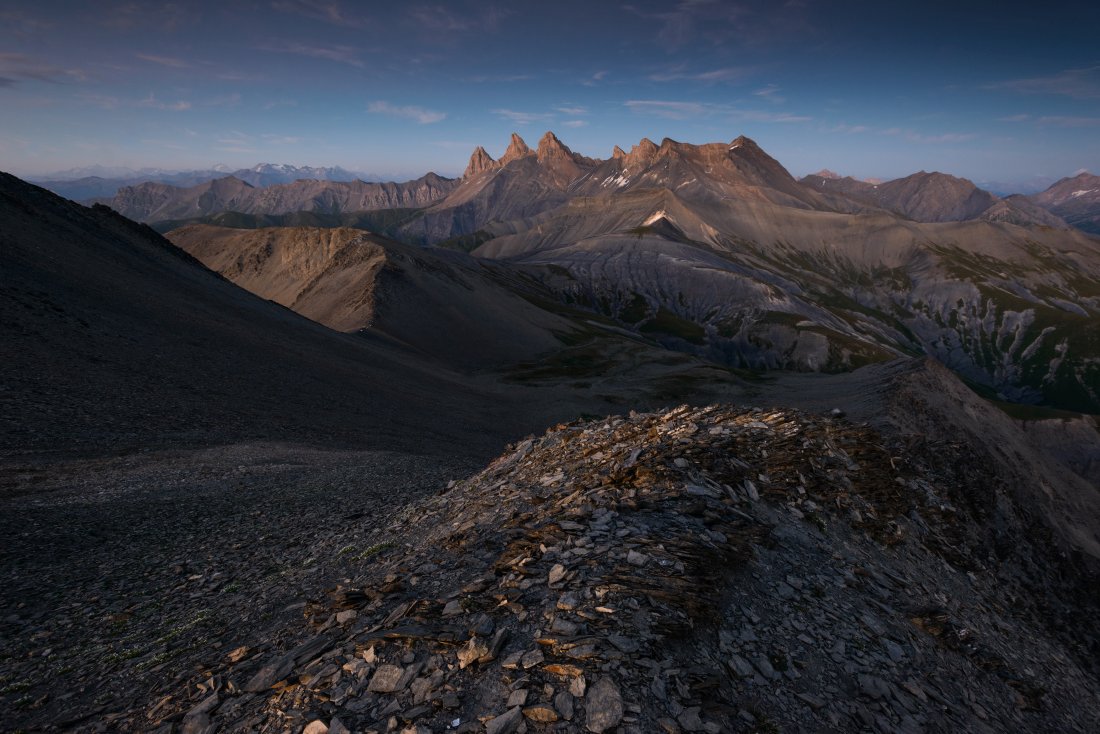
<point x="671" y="110"/>
<point x="688" y="20"/>
<point x="165" y="61"/>
<point x="223" y="100"/>
<point x="167" y="16"/>
<point x="522" y="118"/>
<point x="152" y="102"/>
<point x="280" y="139"/>
<point x="573" y="110"/>
<point x="1054" y="120"/>
<point x="15" y="68"/>
<point x="763" y="116"/>
<point x="595" y="79"/>
<point x="575" y="123"/>
<point x="22" y="24"/>
<point x="712" y="76"/>
<point x="439" y="18"/>
<point x="1076" y="83"/>
<point x="324" y="11"/>
<point x="498" y="78"/>
<point x="675" y="110"/>
<point x="410" y="112"/>
<point x="916" y="137"/>
<point x="942" y="138"/>
<point x="338" y="53"/>
<point x="1069" y="121"/>
<point x="849" y="129"/>
<point x="276" y="103"/>
<point x="770" y="93"/>
<point x="717" y="22"/>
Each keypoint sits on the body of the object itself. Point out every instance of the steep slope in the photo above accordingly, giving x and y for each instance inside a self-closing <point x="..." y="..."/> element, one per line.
<point x="115" y="338"/>
<point x="752" y="282"/>
<point x="444" y="304"/>
<point x="1076" y="200"/>
<point x="151" y="202"/>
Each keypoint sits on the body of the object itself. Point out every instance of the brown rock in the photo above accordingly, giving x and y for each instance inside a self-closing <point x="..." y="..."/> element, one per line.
<point x="541" y="713"/>
<point x="472" y="652"/>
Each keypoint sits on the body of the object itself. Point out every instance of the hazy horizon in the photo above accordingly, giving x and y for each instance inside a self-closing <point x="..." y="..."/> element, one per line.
<point x="986" y="91"/>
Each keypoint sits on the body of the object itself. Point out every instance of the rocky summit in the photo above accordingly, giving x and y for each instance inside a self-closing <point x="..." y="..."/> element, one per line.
<point x="691" y="570"/>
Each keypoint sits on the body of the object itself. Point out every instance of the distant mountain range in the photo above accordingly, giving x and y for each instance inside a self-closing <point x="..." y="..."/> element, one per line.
<point x="101" y="181"/>
<point x="717" y="251"/>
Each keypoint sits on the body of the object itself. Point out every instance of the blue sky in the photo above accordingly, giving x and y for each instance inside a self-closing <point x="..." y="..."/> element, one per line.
<point x="990" y="91"/>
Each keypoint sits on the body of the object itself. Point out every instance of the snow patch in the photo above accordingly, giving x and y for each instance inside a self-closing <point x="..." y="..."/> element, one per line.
<point x="1077" y="194"/>
<point x="621" y="180"/>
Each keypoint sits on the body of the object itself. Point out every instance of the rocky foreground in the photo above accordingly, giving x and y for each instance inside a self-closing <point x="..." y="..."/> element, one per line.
<point x="698" y="570"/>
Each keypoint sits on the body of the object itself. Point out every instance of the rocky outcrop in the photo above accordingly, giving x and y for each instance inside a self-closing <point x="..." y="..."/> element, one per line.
<point x="517" y="149"/>
<point x="480" y="161"/>
<point x="699" y="569"/>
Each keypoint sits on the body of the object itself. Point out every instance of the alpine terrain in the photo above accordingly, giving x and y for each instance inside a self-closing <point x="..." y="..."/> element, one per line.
<point x="669" y="441"/>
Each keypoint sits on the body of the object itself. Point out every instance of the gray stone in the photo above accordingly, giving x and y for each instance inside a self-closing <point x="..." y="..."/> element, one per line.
<point x="603" y="706"/>
<point x="689" y="720"/>
<point x="385" y="679"/>
<point x="740" y="666"/>
<point x="563" y="702"/>
<point x="506" y="723"/>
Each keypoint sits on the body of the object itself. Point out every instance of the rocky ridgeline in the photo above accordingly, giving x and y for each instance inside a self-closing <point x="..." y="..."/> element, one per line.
<point x="698" y="570"/>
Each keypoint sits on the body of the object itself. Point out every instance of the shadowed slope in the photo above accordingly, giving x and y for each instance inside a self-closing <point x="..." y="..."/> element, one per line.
<point x="445" y="304"/>
<point x="116" y="338"/>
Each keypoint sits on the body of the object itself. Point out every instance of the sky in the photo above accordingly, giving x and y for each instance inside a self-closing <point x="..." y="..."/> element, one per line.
<point x="992" y="91"/>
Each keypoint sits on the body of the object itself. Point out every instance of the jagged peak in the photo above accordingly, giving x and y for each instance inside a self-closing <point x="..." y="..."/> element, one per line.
<point x="618" y="152"/>
<point x="517" y="148"/>
<point x="743" y="141"/>
<point x="480" y="161"/>
<point x="644" y="147"/>
<point x="550" y="145"/>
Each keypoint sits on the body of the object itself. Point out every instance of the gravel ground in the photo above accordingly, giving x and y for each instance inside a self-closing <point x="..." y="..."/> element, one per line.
<point x="120" y="575"/>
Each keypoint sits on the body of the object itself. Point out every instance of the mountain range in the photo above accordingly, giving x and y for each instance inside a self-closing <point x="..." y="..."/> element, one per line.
<point x="325" y="505"/>
<point x="99" y="181"/>
<point x="717" y="251"/>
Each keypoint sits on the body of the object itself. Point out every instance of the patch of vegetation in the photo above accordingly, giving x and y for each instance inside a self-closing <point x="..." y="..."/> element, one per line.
<point x="17" y="687"/>
<point x="375" y="550"/>
<point x="200" y="616"/>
